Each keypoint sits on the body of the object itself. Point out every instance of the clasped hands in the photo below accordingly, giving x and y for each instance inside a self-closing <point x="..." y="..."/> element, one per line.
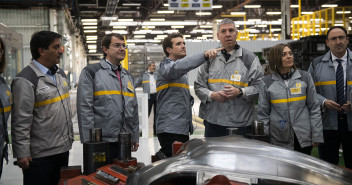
<point x="229" y="92"/>
<point x="329" y="104"/>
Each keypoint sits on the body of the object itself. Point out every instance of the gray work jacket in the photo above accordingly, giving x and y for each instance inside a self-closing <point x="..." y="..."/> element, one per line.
<point x="242" y="70"/>
<point x="5" y="110"/>
<point x="144" y="79"/>
<point x="100" y="103"/>
<point x="173" y="110"/>
<point x="41" y="123"/>
<point x="288" y="110"/>
<point x="324" y="76"/>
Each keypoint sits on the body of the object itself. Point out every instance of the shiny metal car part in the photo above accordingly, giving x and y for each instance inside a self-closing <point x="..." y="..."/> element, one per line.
<point x="240" y="160"/>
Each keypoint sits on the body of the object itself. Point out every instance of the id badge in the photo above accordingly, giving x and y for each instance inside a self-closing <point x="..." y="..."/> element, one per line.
<point x="129" y="86"/>
<point x="296" y="90"/>
<point x="236" y="77"/>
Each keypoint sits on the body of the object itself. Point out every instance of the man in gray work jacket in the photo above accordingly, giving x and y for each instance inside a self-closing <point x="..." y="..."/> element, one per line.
<point x="336" y="110"/>
<point x="228" y="86"/>
<point x="106" y="97"/>
<point x="148" y="81"/>
<point x="41" y="125"/>
<point x="173" y="113"/>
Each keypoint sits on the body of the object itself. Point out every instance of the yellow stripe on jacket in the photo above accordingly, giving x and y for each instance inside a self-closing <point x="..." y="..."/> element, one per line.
<point x="99" y="93"/>
<point x="289" y="100"/>
<point x="6" y="109"/>
<point x="228" y="82"/>
<point x="172" y="85"/>
<point x="53" y="100"/>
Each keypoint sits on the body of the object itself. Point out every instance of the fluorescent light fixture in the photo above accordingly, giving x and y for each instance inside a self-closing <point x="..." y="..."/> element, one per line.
<point x="275" y="29"/>
<point x="177" y="26"/>
<point x="91" y="41"/>
<point x="165" y="11"/>
<point x="329" y="5"/>
<point x="148" y="27"/>
<point x="131" y="4"/>
<point x="157" y="32"/>
<point x="307" y="13"/>
<point x="206" y="26"/>
<point x="186" y="36"/>
<point x="238" y="13"/>
<point x="254" y="20"/>
<point x="203" y="13"/>
<point x="105" y="18"/>
<point x="89" y="31"/>
<point x="139" y="36"/>
<point x="201" y="38"/>
<point x="294" y="6"/>
<point x="252" y="6"/>
<point x="119" y="27"/>
<point x="273" y="13"/>
<point x="159" y="19"/>
<point x="338" y="24"/>
<point x="92" y="46"/>
<point x="92" y="51"/>
<point x="92" y="36"/>
<point x="89" y="20"/>
<point x="159" y="38"/>
<point x="90" y="27"/>
<point x="152" y="23"/>
<point x="123" y="32"/>
<point x="217" y="6"/>
<point x="350" y="17"/>
<point x="125" y="20"/>
<point x="262" y="26"/>
<point x="90" y="23"/>
<point x="207" y="35"/>
<point x="343" y="12"/>
<point x="166" y="4"/>
<point x="143" y="40"/>
<point x="171" y="31"/>
<point x="198" y="30"/>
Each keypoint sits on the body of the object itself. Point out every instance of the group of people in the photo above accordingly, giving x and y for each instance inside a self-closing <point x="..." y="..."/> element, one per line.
<point x="299" y="109"/>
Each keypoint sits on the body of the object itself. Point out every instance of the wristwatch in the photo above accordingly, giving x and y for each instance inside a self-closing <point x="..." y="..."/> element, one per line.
<point x="240" y="94"/>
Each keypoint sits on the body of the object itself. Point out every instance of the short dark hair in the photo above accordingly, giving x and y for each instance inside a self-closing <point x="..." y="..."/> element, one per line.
<point x="3" y="58"/>
<point x="334" y="27"/>
<point x="42" y="39"/>
<point x="275" y="57"/>
<point x="107" y="41"/>
<point x="167" y="43"/>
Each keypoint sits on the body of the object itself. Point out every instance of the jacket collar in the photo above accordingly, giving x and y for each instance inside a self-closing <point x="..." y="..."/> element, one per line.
<point x="327" y="57"/>
<point x="237" y="53"/>
<point x="104" y="64"/>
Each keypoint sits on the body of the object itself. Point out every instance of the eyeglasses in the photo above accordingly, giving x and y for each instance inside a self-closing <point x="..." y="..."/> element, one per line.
<point x="2" y="52"/>
<point x="118" y="45"/>
<point x="338" y="37"/>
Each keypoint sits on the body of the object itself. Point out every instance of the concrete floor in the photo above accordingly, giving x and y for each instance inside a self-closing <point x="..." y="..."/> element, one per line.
<point x="12" y="175"/>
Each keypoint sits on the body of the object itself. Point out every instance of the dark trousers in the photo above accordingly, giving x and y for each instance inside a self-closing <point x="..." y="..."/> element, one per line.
<point x="151" y="102"/>
<point x="45" y="170"/>
<point x="213" y="130"/>
<point x="113" y="151"/>
<point x="329" y="151"/>
<point x="297" y="147"/>
<point x="167" y="139"/>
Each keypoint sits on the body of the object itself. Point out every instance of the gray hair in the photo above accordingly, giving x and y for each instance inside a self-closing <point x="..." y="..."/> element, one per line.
<point x="226" y="21"/>
<point x="150" y="63"/>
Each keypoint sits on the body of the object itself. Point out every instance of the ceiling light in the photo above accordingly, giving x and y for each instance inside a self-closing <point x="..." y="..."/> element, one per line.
<point x="159" y="38"/>
<point x="106" y="18"/>
<point x="123" y="32"/>
<point x="306" y="13"/>
<point x="275" y="29"/>
<point x="329" y="5"/>
<point x="252" y="6"/>
<point x="90" y="27"/>
<point x="92" y="51"/>
<point x="262" y="26"/>
<point x="119" y="27"/>
<point x="217" y="6"/>
<point x="148" y="27"/>
<point x="92" y="38"/>
<point x="203" y="13"/>
<point x="161" y="19"/>
<point x="151" y="23"/>
<point x="343" y="12"/>
<point x="91" y="41"/>
<point x="185" y="36"/>
<point x="206" y="26"/>
<point x="143" y="40"/>
<point x="89" y="20"/>
<point x="92" y="46"/>
<point x="238" y="13"/>
<point x="254" y="20"/>
<point x="125" y="20"/>
<point x="338" y="24"/>
<point x="142" y="31"/>
<point x="273" y="13"/>
<point x="207" y="35"/>
<point x="131" y="4"/>
<point x="171" y="31"/>
<point x="165" y="11"/>
<point x="294" y="6"/>
<point x="177" y="26"/>
<point x="139" y="36"/>
<point x="90" y="23"/>
<point x="89" y="31"/>
<point x="166" y="4"/>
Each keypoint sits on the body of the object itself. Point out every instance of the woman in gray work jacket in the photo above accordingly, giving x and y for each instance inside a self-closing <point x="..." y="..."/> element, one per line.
<point x="288" y="104"/>
<point x="5" y="108"/>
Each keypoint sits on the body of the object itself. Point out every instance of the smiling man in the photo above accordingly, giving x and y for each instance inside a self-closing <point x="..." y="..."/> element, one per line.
<point x="41" y="125"/>
<point x="332" y="74"/>
<point x="106" y="97"/>
<point x="173" y="111"/>
<point x="228" y="86"/>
